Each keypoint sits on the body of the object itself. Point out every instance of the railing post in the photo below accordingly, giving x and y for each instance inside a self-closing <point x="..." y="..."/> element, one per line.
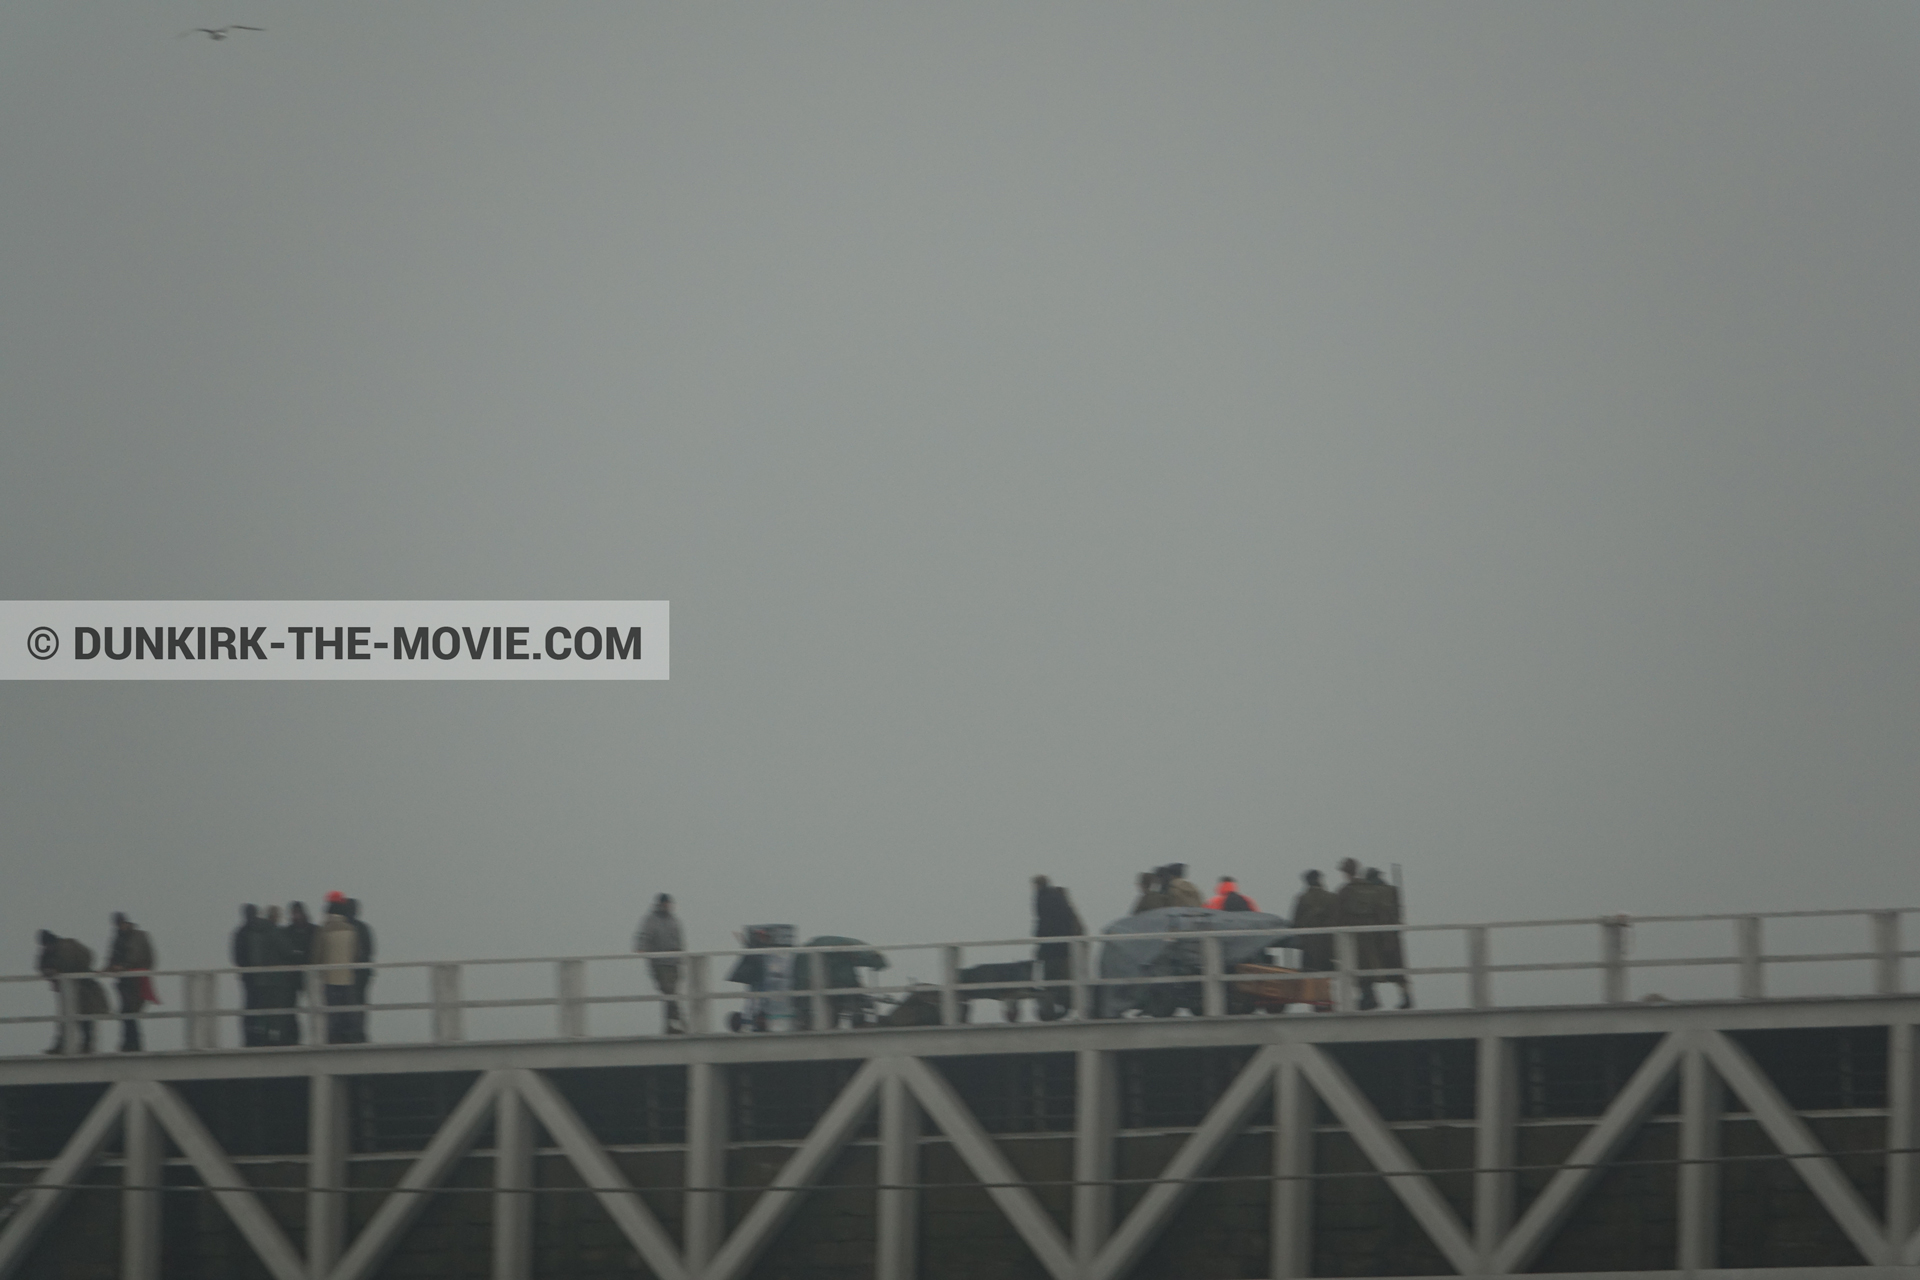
<point x="1213" y="996"/>
<point x="67" y="1001"/>
<point x="1753" y="973"/>
<point x="949" y="976"/>
<point x="313" y="981"/>
<point x="819" y="1005"/>
<point x="1079" y="969"/>
<point x="698" y="1001"/>
<point x="1886" y="948"/>
<point x="1479" y="956"/>
<point x="447" y="1020"/>
<point x="571" y="978"/>
<point x="1613" y="959"/>
<point x="1346" y="958"/>
<point x="203" y="1025"/>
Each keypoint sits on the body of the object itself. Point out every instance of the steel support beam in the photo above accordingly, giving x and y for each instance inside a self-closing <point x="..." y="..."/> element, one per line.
<point x="1096" y="1125"/>
<point x="1903" y="1130"/>
<point x="34" y="1207"/>
<point x="900" y="1078"/>
<point x="327" y="1145"/>
<point x="512" y="1188"/>
<point x="242" y="1207"/>
<point x="704" y="1221"/>
<point x="984" y="1160"/>
<point x="1496" y="1108"/>
<point x="1156" y="1208"/>
<point x="1700" y="1107"/>
<point x="1063" y="1036"/>
<point x="1790" y="1133"/>
<point x="597" y="1169"/>
<point x="1617" y="1124"/>
<point x="1376" y="1141"/>
<point x="140" y="1193"/>
<point x="897" y="1249"/>
<point x="778" y="1202"/>
<point x="407" y="1199"/>
<point x="1291" y="1232"/>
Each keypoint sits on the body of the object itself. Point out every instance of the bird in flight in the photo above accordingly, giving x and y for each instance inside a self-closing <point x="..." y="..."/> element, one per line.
<point x="219" y="33"/>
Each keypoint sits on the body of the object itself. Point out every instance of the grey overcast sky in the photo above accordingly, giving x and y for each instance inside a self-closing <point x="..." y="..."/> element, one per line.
<point x="1480" y="436"/>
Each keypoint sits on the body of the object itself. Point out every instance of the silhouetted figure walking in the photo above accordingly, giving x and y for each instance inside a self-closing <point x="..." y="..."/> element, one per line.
<point x="660" y="931"/>
<point x="130" y="954"/>
<point x="1054" y="917"/>
<point x="363" y="953"/>
<point x="79" y="1000"/>
<point x="1315" y="908"/>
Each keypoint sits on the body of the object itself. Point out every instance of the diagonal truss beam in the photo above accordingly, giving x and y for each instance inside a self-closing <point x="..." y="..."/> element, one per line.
<point x="35" y="1206"/>
<point x="804" y="1167"/>
<point x="1790" y="1133"/>
<point x="971" y="1143"/>
<point x="1377" y="1142"/>
<point x="597" y="1169"/>
<point x="211" y="1163"/>
<point x="1623" y="1116"/>
<point x="404" y="1203"/>
<point x="1156" y="1208"/>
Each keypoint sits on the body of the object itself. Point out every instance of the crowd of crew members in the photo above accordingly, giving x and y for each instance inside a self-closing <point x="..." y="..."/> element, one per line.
<point x="278" y="944"/>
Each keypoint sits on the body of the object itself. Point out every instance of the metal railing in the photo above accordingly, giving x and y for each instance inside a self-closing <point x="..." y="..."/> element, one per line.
<point x="1203" y="983"/>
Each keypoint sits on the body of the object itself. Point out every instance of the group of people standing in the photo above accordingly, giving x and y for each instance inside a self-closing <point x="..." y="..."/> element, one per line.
<point x="1168" y="886"/>
<point x="264" y="941"/>
<point x="277" y="946"/>
<point x="1365" y="898"/>
<point x="340" y="939"/>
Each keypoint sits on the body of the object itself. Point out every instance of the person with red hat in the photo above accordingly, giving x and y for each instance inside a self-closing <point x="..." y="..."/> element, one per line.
<point x="336" y="946"/>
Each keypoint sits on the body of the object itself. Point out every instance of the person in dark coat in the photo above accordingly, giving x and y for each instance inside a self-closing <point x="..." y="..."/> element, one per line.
<point x="278" y="990"/>
<point x="1389" y="951"/>
<point x="1054" y="917"/>
<point x="250" y="949"/>
<point x="300" y="929"/>
<point x="1367" y="899"/>
<point x="60" y="956"/>
<point x="363" y="953"/>
<point x="130" y="954"/>
<point x="299" y="933"/>
<point x="1315" y="908"/>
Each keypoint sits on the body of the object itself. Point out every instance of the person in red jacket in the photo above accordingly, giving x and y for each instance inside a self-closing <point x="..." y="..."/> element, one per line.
<point x="1227" y="897"/>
